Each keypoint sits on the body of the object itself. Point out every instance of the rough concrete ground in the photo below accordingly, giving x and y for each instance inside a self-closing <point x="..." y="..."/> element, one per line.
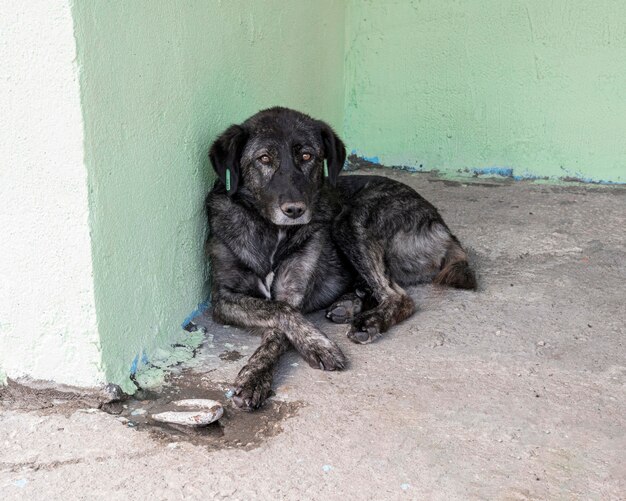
<point x="514" y="392"/>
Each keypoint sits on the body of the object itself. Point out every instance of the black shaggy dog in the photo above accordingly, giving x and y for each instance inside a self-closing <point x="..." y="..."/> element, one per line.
<point x="288" y="236"/>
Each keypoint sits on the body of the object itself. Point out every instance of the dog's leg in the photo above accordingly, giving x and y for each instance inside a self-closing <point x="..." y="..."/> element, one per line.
<point x="368" y="258"/>
<point x="245" y="311"/>
<point x="254" y="381"/>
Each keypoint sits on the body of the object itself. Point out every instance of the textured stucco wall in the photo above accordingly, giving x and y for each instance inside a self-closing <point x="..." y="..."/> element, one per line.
<point x="47" y="310"/>
<point x="533" y="86"/>
<point x="159" y="81"/>
<point x="522" y="87"/>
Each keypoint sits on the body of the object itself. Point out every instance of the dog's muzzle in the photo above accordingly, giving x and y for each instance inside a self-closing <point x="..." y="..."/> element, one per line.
<point x="291" y="214"/>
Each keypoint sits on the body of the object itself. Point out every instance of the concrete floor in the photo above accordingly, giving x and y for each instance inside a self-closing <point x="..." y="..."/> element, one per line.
<point x="514" y="392"/>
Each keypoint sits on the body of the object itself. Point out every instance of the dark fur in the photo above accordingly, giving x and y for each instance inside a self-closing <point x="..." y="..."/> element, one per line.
<point x="358" y="241"/>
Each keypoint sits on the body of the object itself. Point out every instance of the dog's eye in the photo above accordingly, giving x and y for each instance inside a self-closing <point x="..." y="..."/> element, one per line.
<point x="306" y="157"/>
<point x="265" y="159"/>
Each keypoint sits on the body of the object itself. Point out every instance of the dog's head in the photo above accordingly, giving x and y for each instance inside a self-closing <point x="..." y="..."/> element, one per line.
<point x="275" y="160"/>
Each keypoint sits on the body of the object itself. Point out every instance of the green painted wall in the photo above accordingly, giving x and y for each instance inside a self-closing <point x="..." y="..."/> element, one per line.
<point x="531" y="85"/>
<point x="536" y="87"/>
<point x="159" y="80"/>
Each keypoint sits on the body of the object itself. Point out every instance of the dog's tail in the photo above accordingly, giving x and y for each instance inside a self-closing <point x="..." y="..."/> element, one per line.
<point x="455" y="269"/>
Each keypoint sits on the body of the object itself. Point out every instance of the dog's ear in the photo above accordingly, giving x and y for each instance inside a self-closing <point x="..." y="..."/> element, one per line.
<point x="225" y="155"/>
<point x="334" y="152"/>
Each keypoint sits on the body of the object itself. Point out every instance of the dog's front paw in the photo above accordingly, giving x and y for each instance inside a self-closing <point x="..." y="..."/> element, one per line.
<point x="252" y="388"/>
<point x="344" y="310"/>
<point x="322" y="353"/>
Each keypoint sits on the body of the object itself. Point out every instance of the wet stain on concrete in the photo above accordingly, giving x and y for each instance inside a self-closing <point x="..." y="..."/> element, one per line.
<point x="231" y="356"/>
<point x="236" y="428"/>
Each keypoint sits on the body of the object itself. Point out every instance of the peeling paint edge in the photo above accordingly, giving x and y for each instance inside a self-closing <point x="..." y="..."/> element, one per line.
<point x="148" y="372"/>
<point x="356" y="162"/>
<point x="151" y="372"/>
<point x="200" y="309"/>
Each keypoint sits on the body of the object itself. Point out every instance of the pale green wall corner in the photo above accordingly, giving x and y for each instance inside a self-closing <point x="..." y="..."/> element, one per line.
<point x="527" y="87"/>
<point x="523" y="87"/>
<point x="159" y="80"/>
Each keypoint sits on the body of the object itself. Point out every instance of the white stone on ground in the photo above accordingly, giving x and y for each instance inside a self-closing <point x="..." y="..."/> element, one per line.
<point x="206" y="412"/>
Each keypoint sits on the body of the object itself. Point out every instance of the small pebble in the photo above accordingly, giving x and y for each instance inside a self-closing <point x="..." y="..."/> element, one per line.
<point x="405" y="487"/>
<point x="327" y="468"/>
<point x="112" y="393"/>
<point x="229" y="394"/>
<point x="541" y="343"/>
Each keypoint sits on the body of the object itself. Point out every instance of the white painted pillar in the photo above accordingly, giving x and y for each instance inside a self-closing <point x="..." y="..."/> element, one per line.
<point x="48" y="326"/>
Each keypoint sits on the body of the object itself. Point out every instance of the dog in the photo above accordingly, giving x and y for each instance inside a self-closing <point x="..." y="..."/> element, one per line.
<point x="288" y="236"/>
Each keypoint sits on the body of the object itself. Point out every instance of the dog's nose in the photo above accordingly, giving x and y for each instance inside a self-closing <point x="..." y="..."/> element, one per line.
<point x="293" y="210"/>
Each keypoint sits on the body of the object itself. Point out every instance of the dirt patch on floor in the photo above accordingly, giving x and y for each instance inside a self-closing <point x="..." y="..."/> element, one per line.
<point x="231" y="356"/>
<point x="45" y="398"/>
<point x="235" y="429"/>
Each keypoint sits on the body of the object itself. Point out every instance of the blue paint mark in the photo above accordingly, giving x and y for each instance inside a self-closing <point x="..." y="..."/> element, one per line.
<point x="408" y="168"/>
<point x="135" y="363"/>
<point x="133" y="366"/>
<point x="405" y="487"/>
<point x="327" y="468"/>
<point x="21" y="483"/>
<point x="202" y="307"/>
<point x="527" y="176"/>
<point x="373" y="160"/>
<point x="494" y="171"/>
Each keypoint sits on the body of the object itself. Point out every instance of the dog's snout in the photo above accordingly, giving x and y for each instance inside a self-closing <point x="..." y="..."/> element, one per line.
<point x="293" y="210"/>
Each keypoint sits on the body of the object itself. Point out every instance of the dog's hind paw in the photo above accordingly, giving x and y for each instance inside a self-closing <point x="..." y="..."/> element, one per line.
<point x="369" y="325"/>
<point x="364" y="333"/>
<point x="344" y="310"/>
